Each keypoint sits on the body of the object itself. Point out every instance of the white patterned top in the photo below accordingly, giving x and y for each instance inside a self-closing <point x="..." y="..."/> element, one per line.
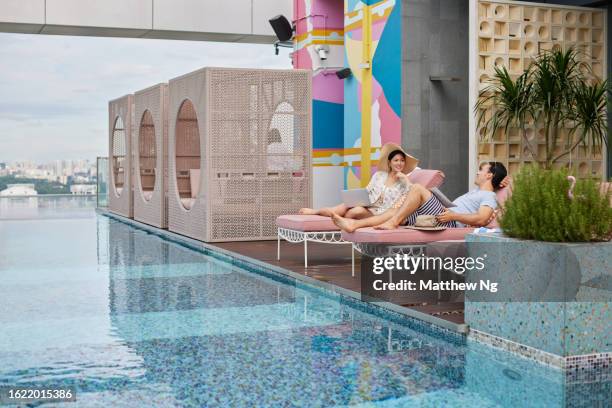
<point x="382" y="196"/>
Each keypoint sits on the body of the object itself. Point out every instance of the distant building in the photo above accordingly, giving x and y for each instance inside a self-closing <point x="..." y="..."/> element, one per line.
<point x="83" y="189"/>
<point x="19" y="190"/>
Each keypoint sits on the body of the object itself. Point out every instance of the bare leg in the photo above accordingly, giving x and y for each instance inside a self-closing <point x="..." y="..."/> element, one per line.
<point x="349" y="225"/>
<point x="340" y="209"/>
<point x="416" y="197"/>
<point x="358" y="213"/>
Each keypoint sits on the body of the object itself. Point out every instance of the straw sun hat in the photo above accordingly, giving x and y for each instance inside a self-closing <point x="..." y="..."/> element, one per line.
<point x="426" y="223"/>
<point x="385" y="151"/>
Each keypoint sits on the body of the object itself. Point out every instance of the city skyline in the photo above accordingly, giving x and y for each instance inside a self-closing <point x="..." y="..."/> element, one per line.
<point x="60" y="171"/>
<point x="54" y="90"/>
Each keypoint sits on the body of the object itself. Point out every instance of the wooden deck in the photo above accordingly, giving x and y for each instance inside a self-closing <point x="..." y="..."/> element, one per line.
<point x="332" y="263"/>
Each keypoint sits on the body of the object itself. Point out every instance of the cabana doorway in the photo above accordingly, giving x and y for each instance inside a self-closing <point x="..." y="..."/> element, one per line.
<point x="119" y="156"/>
<point x="187" y="150"/>
<point x="147" y="155"/>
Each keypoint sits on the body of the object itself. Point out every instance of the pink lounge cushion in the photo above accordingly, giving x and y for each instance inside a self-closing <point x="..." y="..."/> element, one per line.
<point x="405" y="235"/>
<point x="427" y="178"/>
<point x="502" y="195"/>
<point x="306" y="223"/>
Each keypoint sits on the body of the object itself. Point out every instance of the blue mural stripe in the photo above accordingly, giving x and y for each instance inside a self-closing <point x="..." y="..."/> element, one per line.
<point x="387" y="61"/>
<point x="327" y="125"/>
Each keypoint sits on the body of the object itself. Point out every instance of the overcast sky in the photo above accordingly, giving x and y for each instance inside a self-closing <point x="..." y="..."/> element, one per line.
<point x="54" y="90"/>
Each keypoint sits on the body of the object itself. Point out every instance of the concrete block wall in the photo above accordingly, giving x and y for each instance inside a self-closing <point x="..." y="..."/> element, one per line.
<point x="435" y="85"/>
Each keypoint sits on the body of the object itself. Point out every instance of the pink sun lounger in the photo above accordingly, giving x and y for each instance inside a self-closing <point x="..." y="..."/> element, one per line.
<point x="297" y="228"/>
<point x="409" y="241"/>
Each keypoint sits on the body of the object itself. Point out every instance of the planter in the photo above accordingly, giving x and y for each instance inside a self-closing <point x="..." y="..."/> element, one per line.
<point x="554" y="297"/>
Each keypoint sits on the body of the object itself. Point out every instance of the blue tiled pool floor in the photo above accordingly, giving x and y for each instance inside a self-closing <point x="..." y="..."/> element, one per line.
<point x="133" y="320"/>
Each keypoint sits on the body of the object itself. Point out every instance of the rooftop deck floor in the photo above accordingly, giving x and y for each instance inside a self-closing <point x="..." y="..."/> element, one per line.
<point x="332" y="264"/>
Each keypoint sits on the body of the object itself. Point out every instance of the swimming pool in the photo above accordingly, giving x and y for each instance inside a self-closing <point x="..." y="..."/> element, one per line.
<point x="131" y="319"/>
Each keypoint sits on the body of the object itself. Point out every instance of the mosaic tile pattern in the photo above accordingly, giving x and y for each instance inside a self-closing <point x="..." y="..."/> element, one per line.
<point x="581" y="325"/>
<point x="287" y="277"/>
<point x="517" y="348"/>
<point x="132" y="330"/>
<point x="587" y="378"/>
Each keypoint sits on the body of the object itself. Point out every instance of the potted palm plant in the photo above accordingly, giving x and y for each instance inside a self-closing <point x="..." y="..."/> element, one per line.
<point x="552" y="261"/>
<point x="558" y="91"/>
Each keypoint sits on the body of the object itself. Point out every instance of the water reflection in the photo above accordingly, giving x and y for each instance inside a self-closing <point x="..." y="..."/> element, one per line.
<point x="144" y="322"/>
<point x="47" y="206"/>
<point x="214" y="332"/>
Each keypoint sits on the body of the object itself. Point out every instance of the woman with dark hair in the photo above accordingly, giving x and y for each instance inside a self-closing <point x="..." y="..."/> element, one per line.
<point x="388" y="184"/>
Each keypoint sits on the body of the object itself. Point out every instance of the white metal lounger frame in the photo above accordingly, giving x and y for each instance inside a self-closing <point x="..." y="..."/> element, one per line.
<point x="325" y="237"/>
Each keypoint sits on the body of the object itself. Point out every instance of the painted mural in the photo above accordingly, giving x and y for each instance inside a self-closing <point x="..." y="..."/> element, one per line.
<point x="320" y="23"/>
<point x="380" y="99"/>
<point x="364" y="35"/>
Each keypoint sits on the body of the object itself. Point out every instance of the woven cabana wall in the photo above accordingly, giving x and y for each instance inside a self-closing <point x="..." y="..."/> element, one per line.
<point x="150" y="156"/>
<point x="120" y="112"/>
<point x="239" y="151"/>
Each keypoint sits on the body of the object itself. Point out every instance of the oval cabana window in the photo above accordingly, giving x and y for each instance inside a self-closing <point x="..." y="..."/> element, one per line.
<point x="119" y="155"/>
<point x="187" y="154"/>
<point x="147" y="154"/>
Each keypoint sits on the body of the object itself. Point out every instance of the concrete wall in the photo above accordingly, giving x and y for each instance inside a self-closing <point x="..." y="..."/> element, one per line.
<point x="236" y="21"/>
<point x="435" y="113"/>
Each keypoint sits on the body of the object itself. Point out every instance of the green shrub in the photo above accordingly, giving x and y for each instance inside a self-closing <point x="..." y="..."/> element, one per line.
<point x="541" y="209"/>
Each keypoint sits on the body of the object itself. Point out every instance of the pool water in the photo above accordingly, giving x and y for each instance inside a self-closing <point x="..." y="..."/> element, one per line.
<point x="133" y="320"/>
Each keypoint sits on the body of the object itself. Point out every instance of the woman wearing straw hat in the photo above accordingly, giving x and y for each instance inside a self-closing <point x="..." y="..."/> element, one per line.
<point x="388" y="184"/>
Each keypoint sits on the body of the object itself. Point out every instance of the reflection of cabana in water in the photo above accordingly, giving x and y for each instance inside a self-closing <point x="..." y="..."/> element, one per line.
<point x="150" y="155"/>
<point x="120" y="152"/>
<point x="239" y="151"/>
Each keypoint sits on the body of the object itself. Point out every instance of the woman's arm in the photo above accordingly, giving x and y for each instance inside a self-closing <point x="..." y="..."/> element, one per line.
<point x="375" y="179"/>
<point x="403" y="178"/>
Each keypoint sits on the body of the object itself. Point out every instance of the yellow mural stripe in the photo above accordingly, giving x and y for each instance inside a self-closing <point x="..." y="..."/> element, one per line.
<point x="320" y="33"/>
<point x="359" y="23"/>
<point x="318" y="153"/>
<point x="366" y="97"/>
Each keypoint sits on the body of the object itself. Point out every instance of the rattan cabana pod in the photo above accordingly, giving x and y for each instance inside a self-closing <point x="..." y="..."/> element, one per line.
<point x="151" y="155"/>
<point x="239" y="151"/>
<point x="120" y="153"/>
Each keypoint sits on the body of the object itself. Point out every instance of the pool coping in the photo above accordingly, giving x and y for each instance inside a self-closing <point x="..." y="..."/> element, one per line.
<point x="443" y="326"/>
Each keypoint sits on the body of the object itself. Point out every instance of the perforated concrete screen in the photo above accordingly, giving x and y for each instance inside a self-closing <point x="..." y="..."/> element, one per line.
<point x="239" y="151"/>
<point x="511" y="34"/>
<point x="120" y="151"/>
<point x="151" y="155"/>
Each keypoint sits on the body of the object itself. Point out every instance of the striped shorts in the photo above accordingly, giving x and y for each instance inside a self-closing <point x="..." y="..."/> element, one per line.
<point x="433" y="206"/>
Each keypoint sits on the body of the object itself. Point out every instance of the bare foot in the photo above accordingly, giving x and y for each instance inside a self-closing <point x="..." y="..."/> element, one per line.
<point x="344" y="224"/>
<point x="307" y="211"/>
<point x="389" y="225"/>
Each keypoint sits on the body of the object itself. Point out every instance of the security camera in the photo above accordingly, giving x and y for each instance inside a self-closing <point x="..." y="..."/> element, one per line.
<point x="344" y="73"/>
<point x="323" y="51"/>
